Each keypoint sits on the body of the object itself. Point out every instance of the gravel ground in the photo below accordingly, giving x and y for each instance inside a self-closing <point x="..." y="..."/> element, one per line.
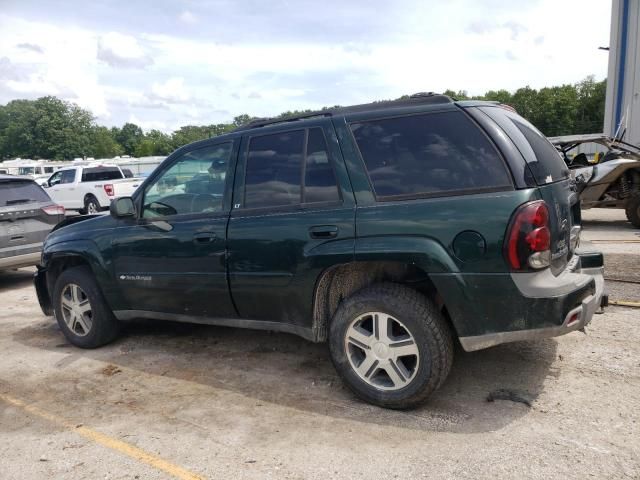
<point x="229" y="403"/>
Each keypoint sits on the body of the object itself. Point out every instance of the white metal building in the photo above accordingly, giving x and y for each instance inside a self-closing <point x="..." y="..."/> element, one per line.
<point x="622" y="108"/>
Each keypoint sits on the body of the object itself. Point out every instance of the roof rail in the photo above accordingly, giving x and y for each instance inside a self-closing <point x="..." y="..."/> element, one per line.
<point x="263" y="122"/>
<point x="415" y="99"/>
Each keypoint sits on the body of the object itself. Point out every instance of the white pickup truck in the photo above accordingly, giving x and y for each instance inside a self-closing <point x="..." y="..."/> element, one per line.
<point x="89" y="188"/>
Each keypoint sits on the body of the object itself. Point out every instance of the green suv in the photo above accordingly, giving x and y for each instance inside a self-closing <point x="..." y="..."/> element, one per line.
<point x="389" y="230"/>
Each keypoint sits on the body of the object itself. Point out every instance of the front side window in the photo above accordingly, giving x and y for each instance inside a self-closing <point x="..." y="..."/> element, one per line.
<point x="55" y="179"/>
<point x="428" y="154"/>
<point x="193" y="184"/>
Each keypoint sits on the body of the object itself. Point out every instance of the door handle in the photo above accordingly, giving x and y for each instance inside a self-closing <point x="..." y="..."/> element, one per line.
<point x="323" y="231"/>
<point x="204" y="237"/>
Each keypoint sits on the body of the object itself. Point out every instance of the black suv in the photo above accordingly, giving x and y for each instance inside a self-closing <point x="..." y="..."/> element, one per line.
<point x="389" y="229"/>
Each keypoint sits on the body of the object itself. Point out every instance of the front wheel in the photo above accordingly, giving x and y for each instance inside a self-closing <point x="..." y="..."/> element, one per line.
<point x="391" y="345"/>
<point x="81" y="311"/>
<point x="632" y="209"/>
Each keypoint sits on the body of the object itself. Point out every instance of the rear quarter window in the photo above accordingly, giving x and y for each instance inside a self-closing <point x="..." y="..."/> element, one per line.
<point x="429" y="155"/>
<point x="543" y="159"/>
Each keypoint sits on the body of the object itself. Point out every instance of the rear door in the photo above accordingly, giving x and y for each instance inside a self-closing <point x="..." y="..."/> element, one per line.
<point x="552" y="176"/>
<point x="293" y="217"/>
<point x="23" y="223"/>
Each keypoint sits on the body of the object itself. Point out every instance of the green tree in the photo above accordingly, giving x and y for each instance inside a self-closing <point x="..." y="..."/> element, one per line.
<point x="129" y="136"/>
<point x="103" y="145"/>
<point x="154" y="143"/>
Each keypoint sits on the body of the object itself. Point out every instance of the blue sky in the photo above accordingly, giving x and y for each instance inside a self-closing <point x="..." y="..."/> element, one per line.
<point x="164" y="64"/>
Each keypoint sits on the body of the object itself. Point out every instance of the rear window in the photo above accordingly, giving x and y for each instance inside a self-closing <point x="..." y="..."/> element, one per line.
<point x="431" y="155"/>
<point x="543" y="159"/>
<point x="99" y="174"/>
<point x="16" y="192"/>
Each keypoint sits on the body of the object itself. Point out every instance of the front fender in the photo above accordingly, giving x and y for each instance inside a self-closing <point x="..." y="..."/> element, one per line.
<point x="88" y="252"/>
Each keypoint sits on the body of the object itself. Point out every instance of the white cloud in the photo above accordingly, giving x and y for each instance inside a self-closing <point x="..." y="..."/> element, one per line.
<point x="171" y="91"/>
<point x="122" y="51"/>
<point x="190" y="76"/>
<point x="188" y="17"/>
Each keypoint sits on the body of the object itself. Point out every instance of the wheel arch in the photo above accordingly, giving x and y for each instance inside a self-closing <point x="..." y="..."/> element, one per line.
<point x="62" y="256"/>
<point x="341" y="281"/>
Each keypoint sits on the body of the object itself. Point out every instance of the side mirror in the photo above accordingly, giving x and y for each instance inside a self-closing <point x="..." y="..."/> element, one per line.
<point x="122" y="207"/>
<point x="45" y="184"/>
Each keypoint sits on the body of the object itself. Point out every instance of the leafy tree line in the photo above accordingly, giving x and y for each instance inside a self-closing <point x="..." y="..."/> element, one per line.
<point x="54" y="129"/>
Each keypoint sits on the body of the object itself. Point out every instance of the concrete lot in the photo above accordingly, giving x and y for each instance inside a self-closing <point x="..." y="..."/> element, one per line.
<point x="185" y="401"/>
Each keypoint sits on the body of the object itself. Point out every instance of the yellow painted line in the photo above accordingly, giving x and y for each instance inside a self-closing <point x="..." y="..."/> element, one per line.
<point x="624" y="303"/>
<point x="106" y="441"/>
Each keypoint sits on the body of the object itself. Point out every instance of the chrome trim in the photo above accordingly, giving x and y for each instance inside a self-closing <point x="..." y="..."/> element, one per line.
<point x="304" y="332"/>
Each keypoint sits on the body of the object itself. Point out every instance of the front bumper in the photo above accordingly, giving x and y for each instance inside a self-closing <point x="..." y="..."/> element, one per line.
<point x="584" y="276"/>
<point x="42" y="291"/>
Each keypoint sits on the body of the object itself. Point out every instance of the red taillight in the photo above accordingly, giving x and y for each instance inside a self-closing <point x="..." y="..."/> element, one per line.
<point x="108" y="188"/>
<point x="528" y="239"/>
<point x="53" y="210"/>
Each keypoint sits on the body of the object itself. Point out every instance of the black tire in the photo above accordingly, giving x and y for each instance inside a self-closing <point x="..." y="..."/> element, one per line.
<point x="103" y="328"/>
<point x="421" y="319"/>
<point x="632" y="209"/>
<point x="91" y="205"/>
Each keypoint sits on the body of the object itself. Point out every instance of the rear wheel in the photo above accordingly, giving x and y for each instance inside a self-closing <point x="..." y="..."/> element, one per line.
<point x="391" y="345"/>
<point x="91" y="205"/>
<point x="632" y="209"/>
<point x="81" y="311"/>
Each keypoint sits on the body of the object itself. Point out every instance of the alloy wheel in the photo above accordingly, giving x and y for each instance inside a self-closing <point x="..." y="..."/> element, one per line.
<point x="382" y="351"/>
<point x="76" y="310"/>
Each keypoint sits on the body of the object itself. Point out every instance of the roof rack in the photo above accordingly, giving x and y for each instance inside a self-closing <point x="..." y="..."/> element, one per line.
<point x="415" y="99"/>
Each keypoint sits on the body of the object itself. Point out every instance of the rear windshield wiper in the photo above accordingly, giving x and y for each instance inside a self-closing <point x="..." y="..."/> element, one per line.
<point x="20" y="200"/>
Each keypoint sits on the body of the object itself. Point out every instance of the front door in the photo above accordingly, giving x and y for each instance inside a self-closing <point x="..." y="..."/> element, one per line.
<point x="293" y="217"/>
<point x="62" y="189"/>
<point x="171" y="261"/>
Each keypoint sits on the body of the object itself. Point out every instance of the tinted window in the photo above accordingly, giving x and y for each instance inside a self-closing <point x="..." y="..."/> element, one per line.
<point x="99" y="174"/>
<point x="319" y="178"/>
<point x="549" y="166"/>
<point x="14" y="192"/>
<point x="432" y="153"/>
<point x="193" y="184"/>
<point x="274" y="170"/>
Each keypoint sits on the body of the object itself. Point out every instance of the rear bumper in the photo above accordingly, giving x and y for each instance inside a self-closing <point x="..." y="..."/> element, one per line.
<point x="580" y="289"/>
<point x="19" y="261"/>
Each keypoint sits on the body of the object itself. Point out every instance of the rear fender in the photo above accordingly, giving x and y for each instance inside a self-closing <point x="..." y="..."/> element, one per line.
<point x="432" y="258"/>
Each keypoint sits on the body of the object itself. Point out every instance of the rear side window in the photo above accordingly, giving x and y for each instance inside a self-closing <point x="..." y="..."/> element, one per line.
<point x="430" y="155"/>
<point x="14" y="192"/>
<point x="319" y="178"/>
<point x="277" y="165"/>
<point x="99" y="174"/>
<point x="274" y="169"/>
